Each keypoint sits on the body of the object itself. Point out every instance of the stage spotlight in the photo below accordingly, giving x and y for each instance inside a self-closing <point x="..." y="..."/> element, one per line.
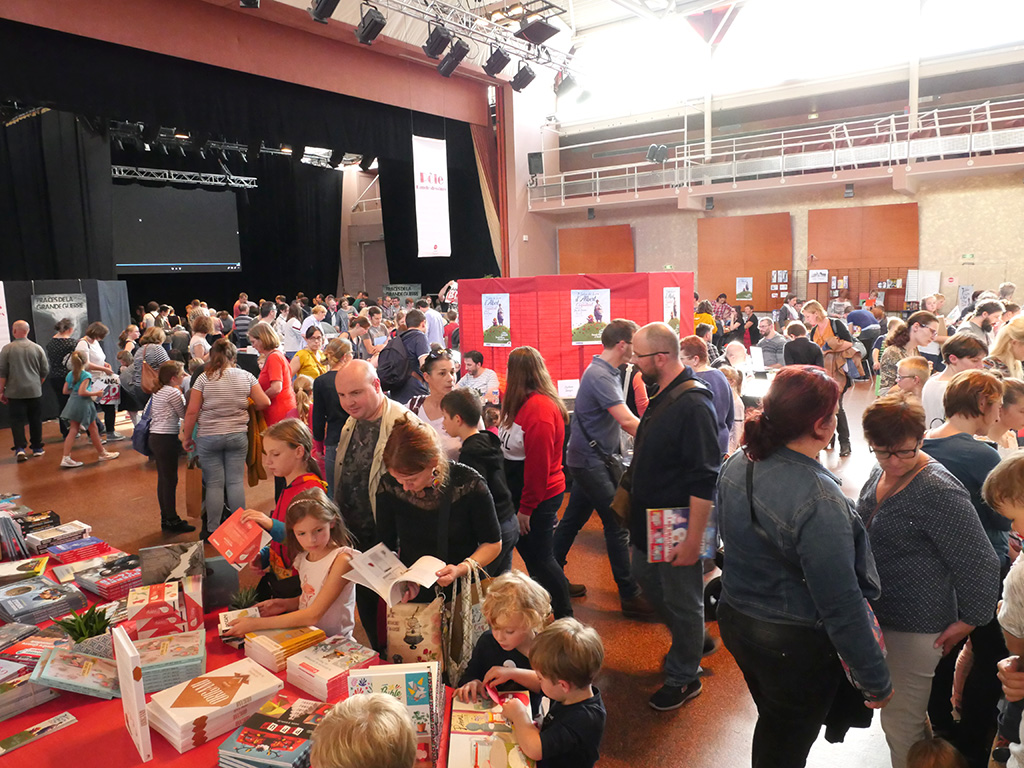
<point x="497" y="62"/>
<point x="565" y="83"/>
<point x="536" y="30"/>
<point x="438" y="39"/>
<point x="252" y="152"/>
<point x="455" y="56"/>
<point x="249" y="4"/>
<point x="150" y="133"/>
<point x="523" y="77"/>
<point x="370" y="25"/>
<point x="661" y="155"/>
<point x="848" y="192"/>
<point x="652" y="152"/>
<point x="337" y="156"/>
<point x="321" y="10"/>
<point x="298" y="152"/>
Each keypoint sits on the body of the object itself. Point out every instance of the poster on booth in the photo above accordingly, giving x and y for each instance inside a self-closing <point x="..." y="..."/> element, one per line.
<point x="48" y="308"/>
<point x="497" y="332"/>
<point x="670" y="299"/>
<point x="589" y="311"/>
<point x="5" y="321"/>
<point x="430" y="183"/>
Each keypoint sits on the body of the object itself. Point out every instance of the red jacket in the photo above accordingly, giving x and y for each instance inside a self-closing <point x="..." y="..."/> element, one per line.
<point x="541" y="436"/>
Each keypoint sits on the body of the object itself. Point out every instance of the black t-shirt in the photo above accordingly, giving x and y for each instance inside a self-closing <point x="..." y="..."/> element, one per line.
<point x="488" y="653"/>
<point x="803" y="351"/>
<point x="570" y="736"/>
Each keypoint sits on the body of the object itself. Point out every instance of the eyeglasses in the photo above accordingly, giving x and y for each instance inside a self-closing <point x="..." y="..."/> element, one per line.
<point x="901" y="378"/>
<point x="908" y="453"/>
<point x="650" y="354"/>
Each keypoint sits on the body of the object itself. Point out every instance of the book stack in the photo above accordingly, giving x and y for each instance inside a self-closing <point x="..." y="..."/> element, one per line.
<point x="66" y="572"/>
<point x="9" y="669"/>
<point x="13" y="632"/>
<point x="82" y="549"/>
<point x="31" y="647"/>
<point x="113" y="578"/>
<point x="193" y="712"/>
<point x="8" y="500"/>
<point x="420" y="688"/>
<point x="19" y="694"/>
<point x="279" y="734"/>
<point x="12" y="540"/>
<point x="39" y="541"/>
<point x="35" y="600"/>
<point x="272" y="647"/>
<point x="192" y="602"/>
<point x="30" y="521"/>
<point x="172" y="659"/>
<point x="156" y="609"/>
<point x="323" y="670"/>
<point x="19" y="570"/>
<point x="224" y="619"/>
<point x="71" y="670"/>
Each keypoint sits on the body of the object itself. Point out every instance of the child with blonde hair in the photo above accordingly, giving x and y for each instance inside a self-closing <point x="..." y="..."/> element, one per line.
<point x="911" y="375"/>
<point x="363" y="730"/>
<point x="935" y="753"/>
<point x="516" y="608"/>
<point x="302" y="385"/>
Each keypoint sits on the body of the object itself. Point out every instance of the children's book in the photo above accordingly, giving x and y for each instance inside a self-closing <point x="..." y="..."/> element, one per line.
<point x="81" y="549"/>
<point x="38" y="541"/>
<point x="111" y="579"/>
<point x="78" y="672"/>
<point x="66" y="571"/>
<point x="277" y="736"/>
<point x="22" y="569"/>
<point x="239" y="542"/>
<point x="37" y="731"/>
<point x="323" y="670"/>
<point x="13" y="632"/>
<point x="481" y="737"/>
<point x="225" y="619"/>
<point x="29" y="649"/>
<point x="20" y="694"/>
<point x="379" y="569"/>
<point x="172" y="562"/>
<point x="133" y="694"/>
<point x="37" y="599"/>
<point x="667" y="527"/>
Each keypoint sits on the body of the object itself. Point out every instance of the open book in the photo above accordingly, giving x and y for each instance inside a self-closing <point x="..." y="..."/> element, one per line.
<point x="380" y="569"/>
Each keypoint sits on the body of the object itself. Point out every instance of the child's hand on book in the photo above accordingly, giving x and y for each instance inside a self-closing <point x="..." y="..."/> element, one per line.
<point x="276" y="606"/>
<point x="471" y="691"/>
<point x="515" y="712"/>
<point x="255" y="516"/>
<point x="240" y="626"/>
<point x="497" y="675"/>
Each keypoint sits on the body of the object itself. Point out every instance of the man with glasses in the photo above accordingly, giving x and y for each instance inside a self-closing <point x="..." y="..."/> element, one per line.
<point x="675" y="464"/>
<point x="599" y="417"/>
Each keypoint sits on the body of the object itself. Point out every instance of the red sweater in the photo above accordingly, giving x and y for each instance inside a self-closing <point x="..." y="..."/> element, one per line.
<point x="279" y="559"/>
<point x="539" y="433"/>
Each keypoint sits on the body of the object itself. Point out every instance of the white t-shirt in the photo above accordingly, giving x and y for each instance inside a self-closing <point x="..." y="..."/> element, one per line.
<point x="92" y="350"/>
<point x="292" y="340"/>
<point x="452" y="445"/>
<point x="198" y="340"/>
<point x="485" y="383"/>
<point x="1011" y="619"/>
<point x="931" y="399"/>
<point x="340" y="617"/>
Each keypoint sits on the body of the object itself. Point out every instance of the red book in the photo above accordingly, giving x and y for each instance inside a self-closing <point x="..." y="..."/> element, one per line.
<point x="239" y="542"/>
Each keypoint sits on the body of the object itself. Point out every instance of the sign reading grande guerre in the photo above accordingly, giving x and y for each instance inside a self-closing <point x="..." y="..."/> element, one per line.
<point x="403" y="291"/>
<point x="48" y="308"/>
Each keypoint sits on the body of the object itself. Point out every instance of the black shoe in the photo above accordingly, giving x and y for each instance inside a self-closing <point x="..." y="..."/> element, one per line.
<point x="177" y="526"/>
<point x="845" y="451"/>
<point x="710" y="645"/>
<point x="577" y="590"/>
<point x="670" y="697"/>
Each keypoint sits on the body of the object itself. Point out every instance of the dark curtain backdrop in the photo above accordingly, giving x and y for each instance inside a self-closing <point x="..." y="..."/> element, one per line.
<point x="55" y="200"/>
<point x="472" y="251"/>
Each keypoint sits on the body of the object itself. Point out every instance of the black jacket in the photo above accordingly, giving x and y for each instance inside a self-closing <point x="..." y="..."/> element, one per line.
<point x="482" y="452"/>
<point x="803" y="351"/>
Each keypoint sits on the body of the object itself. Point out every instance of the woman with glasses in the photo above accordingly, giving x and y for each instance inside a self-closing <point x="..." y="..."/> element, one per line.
<point x="311" y="360"/>
<point x="940" y="577"/>
<point x="921" y="330"/>
<point x="438" y="371"/>
<point x="972" y="402"/>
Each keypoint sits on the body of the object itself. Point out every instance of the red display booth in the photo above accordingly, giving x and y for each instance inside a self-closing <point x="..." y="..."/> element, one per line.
<point x="556" y="314"/>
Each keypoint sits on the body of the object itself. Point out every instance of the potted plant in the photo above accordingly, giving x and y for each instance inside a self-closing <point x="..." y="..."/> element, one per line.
<point x="90" y="631"/>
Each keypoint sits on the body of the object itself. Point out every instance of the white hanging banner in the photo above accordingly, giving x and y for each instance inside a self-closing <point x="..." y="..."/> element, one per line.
<point x="430" y="177"/>
<point x="5" y="321"/>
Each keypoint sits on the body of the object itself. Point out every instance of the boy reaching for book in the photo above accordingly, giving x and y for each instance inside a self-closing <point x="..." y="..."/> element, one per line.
<point x="365" y="729"/>
<point x="317" y="541"/>
<point x="516" y="608"/>
<point x="565" y="657"/>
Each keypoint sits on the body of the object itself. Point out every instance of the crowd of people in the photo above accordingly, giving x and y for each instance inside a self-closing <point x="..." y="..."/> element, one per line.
<point x="377" y="429"/>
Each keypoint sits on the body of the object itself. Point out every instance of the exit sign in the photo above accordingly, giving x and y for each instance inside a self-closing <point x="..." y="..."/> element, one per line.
<point x="967" y="257"/>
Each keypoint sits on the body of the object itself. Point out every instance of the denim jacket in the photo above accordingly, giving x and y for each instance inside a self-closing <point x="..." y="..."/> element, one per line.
<point x="818" y="569"/>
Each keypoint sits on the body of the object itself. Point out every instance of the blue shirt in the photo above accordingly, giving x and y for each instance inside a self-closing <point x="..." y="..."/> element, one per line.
<point x="721" y="391"/>
<point x="861" y="318"/>
<point x="600" y="389"/>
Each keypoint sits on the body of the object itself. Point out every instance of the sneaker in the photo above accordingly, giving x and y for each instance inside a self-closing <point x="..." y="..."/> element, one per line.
<point x="710" y="645"/>
<point x="638" y="607"/>
<point x="108" y="456"/>
<point x="22" y="456"/>
<point x="577" y="590"/>
<point x="670" y="697"/>
<point x="113" y="436"/>
<point x="68" y="463"/>
<point x="177" y="526"/>
<point x="37" y="454"/>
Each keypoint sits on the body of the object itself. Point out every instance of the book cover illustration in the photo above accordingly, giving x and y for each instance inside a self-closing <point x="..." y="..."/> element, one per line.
<point x="336" y="654"/>
<point x="168" y="649"/>
<point x="481" y="737"/>
<point x="417" y="687"/>
<point x="668" y="527"/>
<point x="171" y="562"/>
<point x="82" y="672"/>
<point x="22" y="569"/>
<point x="239" y="542"/>
<point x="67" y="571"/>
<point x="224" y="690"/>
<point x="37" y="731"/>
<point x="133" y="695"/>
<point x="32" y="593"/>
<point x="12" y="632"/>
<point x="279" y="732"/>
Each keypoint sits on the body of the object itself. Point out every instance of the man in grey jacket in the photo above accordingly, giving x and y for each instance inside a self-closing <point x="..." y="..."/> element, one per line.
<point x="23" y="369"/>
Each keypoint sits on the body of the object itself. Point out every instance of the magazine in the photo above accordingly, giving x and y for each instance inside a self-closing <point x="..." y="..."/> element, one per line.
<point x="667" y="527"/>
<point x="379" y="569"/>
<point x="239" y="542"/>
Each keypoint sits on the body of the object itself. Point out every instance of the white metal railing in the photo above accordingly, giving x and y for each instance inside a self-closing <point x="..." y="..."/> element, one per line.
<point x="364" y="203"/>
<point x="984" y="128"/>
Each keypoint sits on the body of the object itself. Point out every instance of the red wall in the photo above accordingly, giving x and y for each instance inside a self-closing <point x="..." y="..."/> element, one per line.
<point x="540" y="314"/>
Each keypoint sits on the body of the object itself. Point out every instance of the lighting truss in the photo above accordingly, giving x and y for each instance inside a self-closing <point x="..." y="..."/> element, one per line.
<point x="183" y="177"/>
<point x="467" y="24"/>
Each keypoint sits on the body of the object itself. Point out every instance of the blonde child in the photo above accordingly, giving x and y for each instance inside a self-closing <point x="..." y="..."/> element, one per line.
<point x="318" y="544"/>
<point x="911" y="374"/>
<point x="935" y="753"/>
<point x="365" y="729"/>
<point x="735" y="378"/>
<point x="516" y="607"/>
<point x="302" y="386"/>
<point x="81" y="409"/>
<point x="566" y="658"/>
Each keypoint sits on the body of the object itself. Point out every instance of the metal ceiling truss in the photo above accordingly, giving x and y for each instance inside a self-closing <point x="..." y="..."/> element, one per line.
<point x="183" y="177"/>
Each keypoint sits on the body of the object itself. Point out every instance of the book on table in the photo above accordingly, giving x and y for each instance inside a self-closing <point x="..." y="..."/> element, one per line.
<point x="667" y="527"/>
<point x="169" y="660"/>
<point x="111" y="579"/>
<point x="12" y="538"/>
<point x="39" y="541"/>
<point x="172" y="562"/>
<point x="323" y="670"/>
<point x="272" y="647"/>
<point x="30" y="648"/>
<point x="481" y="737"/>
<point x="37" y="731"/>
<point x="239" y="542"/>
<point x="70" y="670"/>
<point x="19" y="570"/>
<point x="133" y="694"/>
<point x="379" y="569"/>
<point x="224" y="620"/>
<point x="35" y="600"/>
<point x="19" y="694"/>
<point x="81" y="549"/>
<point x="278" y="734"/>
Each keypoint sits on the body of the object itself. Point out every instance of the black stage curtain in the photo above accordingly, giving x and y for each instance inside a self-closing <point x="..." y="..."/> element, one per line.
<point x="472" y="251"/>
<point x="55" y="200"/>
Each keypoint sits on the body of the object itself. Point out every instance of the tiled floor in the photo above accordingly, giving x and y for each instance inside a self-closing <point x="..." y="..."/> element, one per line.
<point x="118" y="499"/>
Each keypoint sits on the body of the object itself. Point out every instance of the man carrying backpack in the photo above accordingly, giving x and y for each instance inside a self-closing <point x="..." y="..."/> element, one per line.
<point x="398" y="365"/>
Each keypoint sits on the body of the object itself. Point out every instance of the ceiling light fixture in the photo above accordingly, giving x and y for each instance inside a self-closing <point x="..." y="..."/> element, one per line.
<point x="321" y="10"/>
<point x="536" y="30"/>
<point x="438" y="39"/>
<point x="498" y="60"/>
<point x="249" y="4"/>
<point x="455" y="56"/>
<point x="523" y="77"/>
<point x="370" y="25"/>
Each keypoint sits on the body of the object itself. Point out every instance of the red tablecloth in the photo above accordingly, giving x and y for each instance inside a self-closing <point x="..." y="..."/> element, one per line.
<point x="100" y="740"/>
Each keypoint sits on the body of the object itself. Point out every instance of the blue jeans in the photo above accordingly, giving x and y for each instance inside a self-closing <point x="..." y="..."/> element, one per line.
<point x="330" y="456"/>
<point x="509" y="537"/>
<point x="678" y="594"/>
<point x="592" y="489"/>
<point x="222" y="458"/>
<point x="537" y="550"/>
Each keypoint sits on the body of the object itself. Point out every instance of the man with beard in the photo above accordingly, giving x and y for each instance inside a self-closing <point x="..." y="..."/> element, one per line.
<point x="979" y="325"/>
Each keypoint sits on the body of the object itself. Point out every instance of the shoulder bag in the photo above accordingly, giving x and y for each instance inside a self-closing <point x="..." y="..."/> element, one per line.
<point x="150" y="378"/>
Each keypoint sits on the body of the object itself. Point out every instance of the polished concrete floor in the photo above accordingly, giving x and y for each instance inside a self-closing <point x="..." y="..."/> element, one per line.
<point x="118" y="499"/>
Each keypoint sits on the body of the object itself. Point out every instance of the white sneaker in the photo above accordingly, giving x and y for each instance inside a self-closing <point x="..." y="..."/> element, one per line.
<point x="68" y="463"/>
<point x="37" y="454"/>
<point x="107" y="455"/>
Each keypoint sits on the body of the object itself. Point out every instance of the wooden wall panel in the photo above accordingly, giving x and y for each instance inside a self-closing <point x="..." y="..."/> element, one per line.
<point x="743" y="246"/>
<point x="596" y="250"/>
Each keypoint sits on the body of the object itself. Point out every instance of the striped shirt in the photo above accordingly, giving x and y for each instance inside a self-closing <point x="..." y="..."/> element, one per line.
<point x="225" y="408"/>
<point x="167" y="409"/>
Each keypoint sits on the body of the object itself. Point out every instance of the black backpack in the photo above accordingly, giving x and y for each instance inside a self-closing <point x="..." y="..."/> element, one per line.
<point x="394" y="367"/>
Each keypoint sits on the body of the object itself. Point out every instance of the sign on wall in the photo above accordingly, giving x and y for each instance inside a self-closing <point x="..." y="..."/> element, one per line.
<point x="48" y="308"/>
<point x="403" y="291"/>
<point x="430" y="181"/>
<point x="497" y="332"/>
<point x="670" y="300"/>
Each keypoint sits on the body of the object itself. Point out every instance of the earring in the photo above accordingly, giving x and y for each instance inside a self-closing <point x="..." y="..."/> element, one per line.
<point x="435" y="476"/>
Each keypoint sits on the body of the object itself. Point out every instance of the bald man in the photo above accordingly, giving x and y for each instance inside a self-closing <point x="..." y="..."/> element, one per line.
<point x="23" y="369"/>
<point x="359" y="467"/>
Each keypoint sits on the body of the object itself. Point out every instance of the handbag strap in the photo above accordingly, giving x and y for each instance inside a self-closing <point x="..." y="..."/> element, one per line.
<point x="594" y="445"/>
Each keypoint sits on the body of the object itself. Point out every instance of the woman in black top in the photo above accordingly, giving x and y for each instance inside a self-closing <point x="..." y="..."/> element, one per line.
<point x="328" y="416"/>
<point x="59" y="349"/>
<point x="413" y="496"/>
